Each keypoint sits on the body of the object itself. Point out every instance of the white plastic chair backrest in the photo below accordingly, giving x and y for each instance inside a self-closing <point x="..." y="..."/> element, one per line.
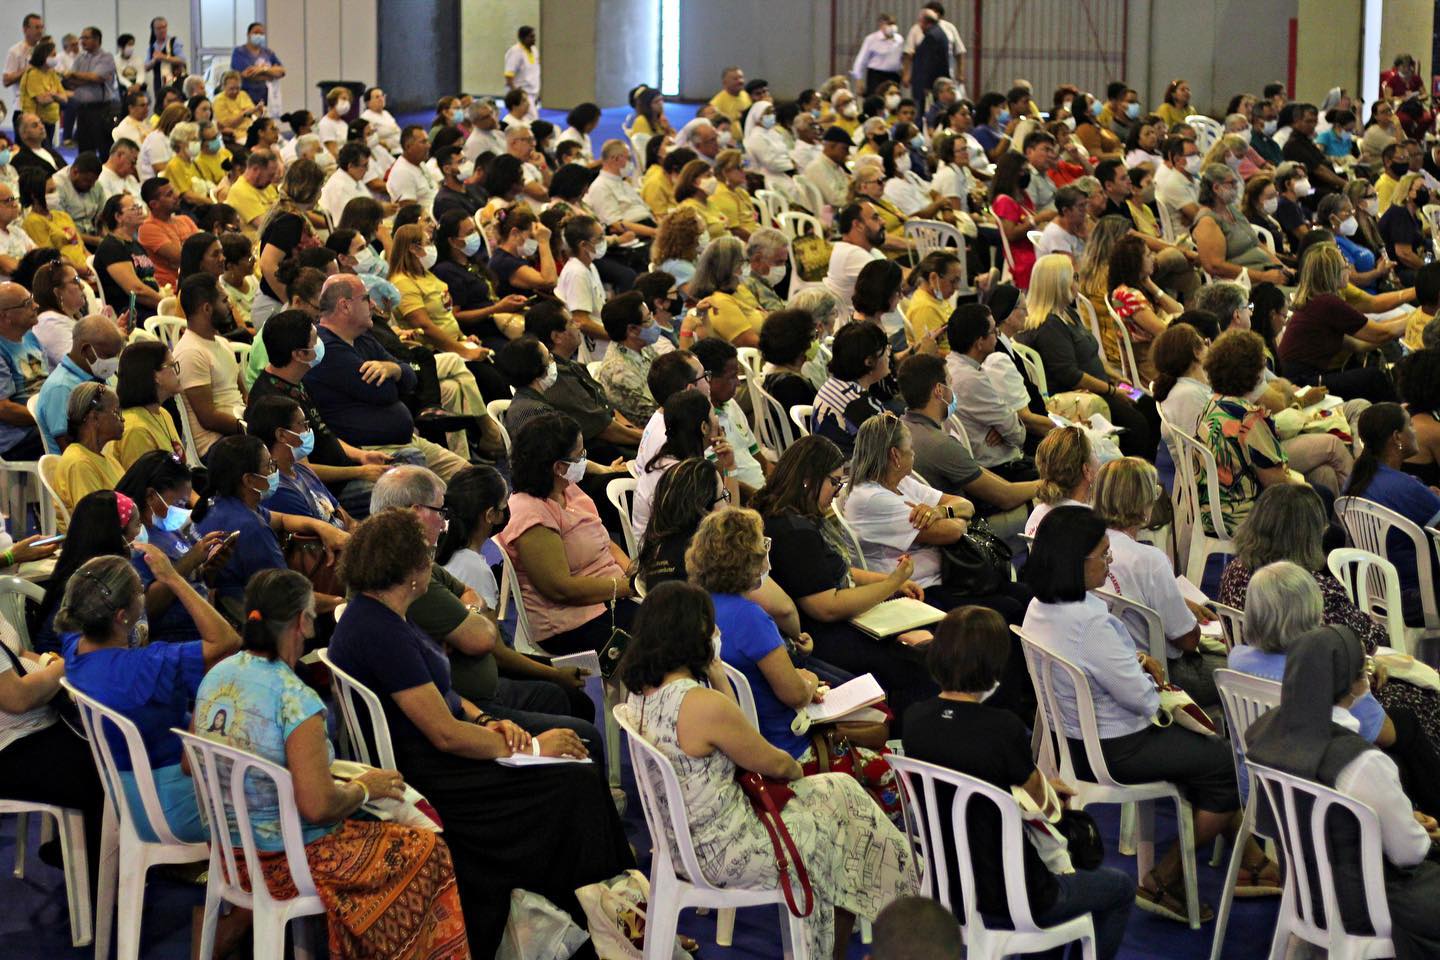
<point x="1431" y="212"/>
<point x="497" y="409"/>
<point x="1298" y="834"/>
<point x="919" y="781"/>
<point x="1207" y="130"/>
<point x="1167" y="223"/>
<point x="1370" y="527"/>
<point x="349" y="695"/>
<point x="796" y="223"/>
<point x="772" y="203"/>
<point x="857" y="550"/>
<point x="100" y="723"/>
<point x="1034" y="366"/>
<point x="1051" y="674"/>
<point x="621" y="494"/>
<point x="813" y="200"/>
<point x="32" y="405"/>
<point x="1005" y="250"/>
<point x="800" y="415"/>
<point x="1092" y="317"/>
<point x="750" y="361"/>
<point x="1245" y="699"/>
<point x="14" y="591"/>
<point x="743" y="694"/>
<point x="655" y="778"/>
<point x="1129" y="367"/>
<point x="1198" y="501"/>
<point x="169" y="307"/>
<point x="1266" y="237"/>
<point x="772" y="426"/>
<point x="931" y="235"/>
<point x="220" y="773"/>
<point x="1373" y="585"/>
<point x="47" y="466"/>
<point x="1034" y="236"/>
<point x="187" y="433"/>
<point x="510" y="588"/>
<point x="1232" y="623"/>
<point x="1143" y="623"/>
<point x="954" y="428"/>
<point x="242" y="353"/>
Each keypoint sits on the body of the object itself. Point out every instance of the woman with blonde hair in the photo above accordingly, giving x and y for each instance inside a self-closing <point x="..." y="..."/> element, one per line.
<point x="1067" y="467"/>
<point x="1071" y="354"/>
<point x="731" y="200"/>
<point x="1124" y="495"/>
<point x="1403" y="227"/>
<point x="1323" y="326"/>
<point x="1227" y="151"/>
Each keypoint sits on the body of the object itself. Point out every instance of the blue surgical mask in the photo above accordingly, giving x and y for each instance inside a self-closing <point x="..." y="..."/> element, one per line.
<point x="1132" y="110"/>
<point x="1003" y="119"/>
<point x="952" y="406"/>
<point x="650" y="334"/>
<point x="472" y="244"/>
<point x="307" y="447"/>
<point x="319" y="352"/>
<point x="143" y="536"/>
<point x="272" y="483"/>
<point x="172" y="521"/>
<point x="767" y="121"/>
<point x="917" y="142"/>
<point x="368" y="261"/>
<point x="213" y="144"/>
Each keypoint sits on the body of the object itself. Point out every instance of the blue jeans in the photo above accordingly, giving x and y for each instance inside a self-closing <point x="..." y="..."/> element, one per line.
<point x="1106" y="894"/>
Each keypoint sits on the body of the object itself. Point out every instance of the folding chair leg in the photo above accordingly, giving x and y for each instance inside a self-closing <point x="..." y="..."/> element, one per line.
<point x="1127" y="829"/>
<point x="22" y="843"/>
<point x="77" y="877"/>
<point x="1187" y="861"/>
<point x="1227" y="892"/>
<point x="725" y="927"/>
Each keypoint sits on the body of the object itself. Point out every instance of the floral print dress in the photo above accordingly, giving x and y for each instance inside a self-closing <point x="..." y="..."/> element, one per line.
<point x="1242" y="438"/>
<point x="856" y="858"/>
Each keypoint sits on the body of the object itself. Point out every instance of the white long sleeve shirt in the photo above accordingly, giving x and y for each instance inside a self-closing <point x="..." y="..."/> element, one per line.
<point x="986" y="403"/>
<point x="613" y="198"/>
<point x="878" y="52"/>
<point x="1374" y="780"/>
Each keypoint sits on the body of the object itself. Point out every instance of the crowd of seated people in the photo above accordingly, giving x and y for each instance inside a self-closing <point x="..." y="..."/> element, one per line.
<point x="264" y="370"/>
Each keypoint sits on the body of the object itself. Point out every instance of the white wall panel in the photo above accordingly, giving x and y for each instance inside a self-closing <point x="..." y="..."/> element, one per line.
<point x="487" y="29"/>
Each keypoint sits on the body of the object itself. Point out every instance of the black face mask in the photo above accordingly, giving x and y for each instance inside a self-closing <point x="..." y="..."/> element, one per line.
<point x="1398" y="170"/>
<point x="1422" y="198"/>
<point x="1024" y="181"/>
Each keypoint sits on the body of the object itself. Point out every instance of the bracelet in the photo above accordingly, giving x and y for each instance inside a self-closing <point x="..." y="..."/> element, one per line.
<point x="7" y="559"/>
<point x="364" y="790"/>
<point x="534" y="746"/>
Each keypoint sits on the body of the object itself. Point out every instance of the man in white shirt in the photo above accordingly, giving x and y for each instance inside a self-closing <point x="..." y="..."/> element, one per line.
<point x="861" y="234"/>
<point x="614" y="198"/>
<point x="987" y="409"/>
<point x="721" y="361"/>
<point x="579" y="286"/>
<point x="520" y="144"/>
<point x="485" y="134"/>
<point x="1062" y="235"/>
<point x="1177" y="184"/>
<point x="807" y="132"/>
<point x="913" y="38"/>
<point x="17" y="61"/>
<point x="348" y="180"/>
<point x="522" y="66"/>
<point x="14" y="241"/>
<point x="409" y="180"/>
<point x="118" y="174"/>
<point x="209" y="372"/>
<point x="827" y="171"/>
<point x="880" y="55"/>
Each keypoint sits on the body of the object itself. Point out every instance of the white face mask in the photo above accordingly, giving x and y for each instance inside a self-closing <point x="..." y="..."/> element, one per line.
<point x="467" y="169"/>
<point x="1192" y="164"/>
<point x="1270" y="126"/>
<point x="1348" y="226"/>
<point x="850" y="111"/>
<point x="1270" y="206"/>
<point x="552" y="373"/>
<point x="709" y="185"/>
<point x="192" y="149"/>
<point x="903" y="164"/>
<point x="342" y="107"/>
<point x="1372" y="206"/>
<point x="775" y="274"/>
<point x="428" y="258"/>
<point x="725" y="138"/>
<point x="105" y="367"/>
<point x="528" y="248"/>
<point x="1070" y="122"/>
<point x="1303" y="188"/>
<point x="601" y="249"/>
<point x="575" y="472"/>
<point x="892" y="101"/>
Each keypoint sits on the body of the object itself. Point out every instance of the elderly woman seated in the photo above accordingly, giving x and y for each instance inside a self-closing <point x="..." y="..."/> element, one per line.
<point x="1071" y="556"/>
<point x="1228" y="245"/>
<point x="93" y="419"/>
<point x="1311" y="735"/>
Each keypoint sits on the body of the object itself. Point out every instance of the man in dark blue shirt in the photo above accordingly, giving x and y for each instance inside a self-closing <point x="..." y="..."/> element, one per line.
<point x="357" y="385"/>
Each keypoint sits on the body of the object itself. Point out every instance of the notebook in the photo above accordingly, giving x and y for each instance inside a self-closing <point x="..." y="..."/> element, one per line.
<point x="897" y="616"/>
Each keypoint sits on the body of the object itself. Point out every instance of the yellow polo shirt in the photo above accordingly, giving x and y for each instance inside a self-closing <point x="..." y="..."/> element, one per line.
<point x="732" y="105"/>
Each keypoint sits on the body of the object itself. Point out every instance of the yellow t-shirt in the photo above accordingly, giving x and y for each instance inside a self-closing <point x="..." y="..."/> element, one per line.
<point x="657" y="191"/>
<point x="209" y="164"/>
<point x="735" y="206"/>
<point x="33" y="81"/>
<point x="1385" y="190"/>
<point x="145" y="430"/>
<point x="1172" y="114"/>
<point x="229" y="110"/>
<point x="429" y="293"/>
<point x="58" y="231"/>
<point x="925" y="314"/>
<point x="715" y="224"/>
<point x="732" y="318"/>
<point x="82" y="471"/>
<point x="250" y="203"/>
<point x="1414" y="327"/>
<point x="182" y="172"/>
<point x="848" y="124"/>
<point x="732" y="105"/>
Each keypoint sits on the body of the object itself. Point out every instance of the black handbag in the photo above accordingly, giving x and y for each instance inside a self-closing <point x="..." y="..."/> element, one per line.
<point x="978" y="563"/>
<point x="614" y="649"/>
<point x="1082" y="838"/>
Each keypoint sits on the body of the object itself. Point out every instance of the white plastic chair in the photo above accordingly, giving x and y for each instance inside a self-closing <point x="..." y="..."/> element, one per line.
<point x="123" y="875"/>
<point x="48" y="464"/>
<point x="1244" y="699"/>
<point x="220" y="773"/>
<point x="187" y="432"/>
<point x="857" y="548"/>
<point x="1034" y="236"/>
<point x="772" y="203"/>
<point x="22" y="475"/>
<point x="750" y="361"/>
<point x="800" y="415"/>
<point x="1190" y="451"/>
<point x="621" y="494"/>
<point x="1207" y="131"/>
<point x="772" y="427"/>
<point x="350" y="696"/>
<point x="1370" y="527"/>
<point x="241" y="351"/>
<point x="1087" y="309"/>
<point x="1232" y="623"/>
<point x="1034" y="366"/>
<point x="1128" y="367"/>
<point x="1055" y="753"/>
<point x="796" y="223"/>
<point x="1266" y="237"/>
<point x="1167" y="222"/>
<point x="1373" y="585"/>
<point x="1143" y="623"/>
<point x="670" y="892"/>
<point x="497" y="409"/>
<point x="934" y="823"/>
<point x="1007" y="274"/>
<point x="931" y="235"/>
<point x="1284" y="794"/>
<point x="593" y="368"/>
<point x="166" y="328"/>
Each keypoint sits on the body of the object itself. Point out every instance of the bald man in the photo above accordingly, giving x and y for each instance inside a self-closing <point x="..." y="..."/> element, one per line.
<point x="520" y="144"/>
<point x="94" y="355"/>
<point x="22" y="372"/>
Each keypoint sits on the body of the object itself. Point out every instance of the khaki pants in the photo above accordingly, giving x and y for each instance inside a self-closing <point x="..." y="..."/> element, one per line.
<point x="1175" y="275"/>
<point x="460" y="395"/>
<point x="445" y="464"/>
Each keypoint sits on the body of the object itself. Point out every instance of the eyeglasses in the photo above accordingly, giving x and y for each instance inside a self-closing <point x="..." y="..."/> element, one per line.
<point x="724" y="497"/>
<point x="1107" y="556"/>
<point x="704" y="376"/>
<point x="441" y="511"/>
<point x="173" y="366"/>
<point x="837" y="480"/>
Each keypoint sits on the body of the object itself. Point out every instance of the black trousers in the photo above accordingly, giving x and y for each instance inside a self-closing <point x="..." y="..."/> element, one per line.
<point x="873" y="79"/>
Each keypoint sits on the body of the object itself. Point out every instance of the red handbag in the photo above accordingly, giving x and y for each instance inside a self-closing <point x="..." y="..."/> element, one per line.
<point x="768" y="797"/>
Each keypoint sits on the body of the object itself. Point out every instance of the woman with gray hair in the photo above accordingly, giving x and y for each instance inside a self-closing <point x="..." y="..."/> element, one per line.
<point x="768" y="251"/>
<point x="1283" y="608"/>
<point x="717" y="277"/>
<point x="1288" y="524"/>
<point x="1228" y="245"/>
<point x="1337" y="212"/>
<point x="182" y="171"/>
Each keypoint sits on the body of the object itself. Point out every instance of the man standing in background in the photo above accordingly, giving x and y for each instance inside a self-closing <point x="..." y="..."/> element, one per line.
<point x="17" y="60"/>
<point x="92" y="78"/>
<point x="522" y="66"/>
<point x="879" y="56"/>
<point x="957" y="50"/>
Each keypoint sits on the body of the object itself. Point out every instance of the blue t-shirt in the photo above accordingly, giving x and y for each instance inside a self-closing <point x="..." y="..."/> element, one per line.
<point x="388" y="654"/>
<point x="747" y="636"/>
<point x="257" y="548"/>
<point x="1334" y="144"/>
<point x="305" y="496"/>
<point x="175" y="625"/>
<point x="22" y="372"/>
<point x="241" y="59"/>
<point x="255" y="704"/>
<point x="55" y="396"/>
<point x="988" y="136"/>
<point x="152" y="685"/>
<point x="1415" y="502"/>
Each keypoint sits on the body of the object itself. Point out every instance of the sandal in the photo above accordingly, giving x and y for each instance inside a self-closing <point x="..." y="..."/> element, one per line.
<point x="1261" y="881"/>
<point x="1163" y="902"/>
<point x="688" y="944"/>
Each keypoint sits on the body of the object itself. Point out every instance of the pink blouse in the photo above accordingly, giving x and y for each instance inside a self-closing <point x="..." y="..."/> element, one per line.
<point x="587" y="550"/>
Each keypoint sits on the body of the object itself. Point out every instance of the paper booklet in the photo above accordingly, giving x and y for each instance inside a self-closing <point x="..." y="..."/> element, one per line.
<point x="1194" y="594"/>
<point x="897" y="616"/>
<point x="848" y="698"/>
<point x="530" y="760"/>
